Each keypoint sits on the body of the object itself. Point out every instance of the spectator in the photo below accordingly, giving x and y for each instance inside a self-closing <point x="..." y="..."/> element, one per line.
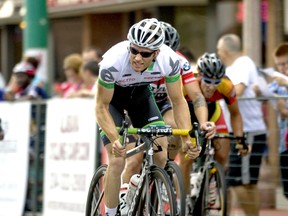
<point x="89" y="74"/>
<point x="24" y="73"/>
<point x="71" y="65"/>
<point x="243" y="172"/>
<point x="92" y="53"/>
<point x="279" y="87"/>
<point x="12" y="84"/>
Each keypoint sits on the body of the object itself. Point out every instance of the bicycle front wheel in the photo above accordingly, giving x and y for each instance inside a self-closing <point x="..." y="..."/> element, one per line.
<point x="157" y="197"/>
<point x="176" y="177"/>
<point x="212" y="199"/>
<point x="95" y="205"/>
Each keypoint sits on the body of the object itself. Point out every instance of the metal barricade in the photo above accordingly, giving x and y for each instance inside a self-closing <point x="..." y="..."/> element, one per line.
<point x="270" y="187"/>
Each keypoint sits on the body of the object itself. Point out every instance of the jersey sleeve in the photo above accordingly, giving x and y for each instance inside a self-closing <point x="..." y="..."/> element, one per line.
<point x="170" y="64"/>
<point x="188" y="78"/>
<point x="227" y="89"/>
<point x="110" y="66"/>
<point x="106" y="77"/>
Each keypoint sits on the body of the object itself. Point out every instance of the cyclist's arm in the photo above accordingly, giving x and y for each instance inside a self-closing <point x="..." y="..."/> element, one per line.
<point x="103" y="98"/>
<point x="180" y="108"/>
<point x="199" y="102"/>
<point x="236" y="119"/>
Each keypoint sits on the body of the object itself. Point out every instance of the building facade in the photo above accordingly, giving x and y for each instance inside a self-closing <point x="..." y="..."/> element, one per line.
<point x="76" y="24"/>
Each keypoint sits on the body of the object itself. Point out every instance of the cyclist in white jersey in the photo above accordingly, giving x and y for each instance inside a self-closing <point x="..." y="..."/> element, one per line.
<point x="126" y="71"/>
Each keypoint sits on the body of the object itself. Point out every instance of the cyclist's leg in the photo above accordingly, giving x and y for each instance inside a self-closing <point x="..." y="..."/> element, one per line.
<point x="174" y="142"/>
<point x="133" y="165"/>
<point x="221" y="146"/>
<point x="186" y="167"/>
<point x="115" y="167"/>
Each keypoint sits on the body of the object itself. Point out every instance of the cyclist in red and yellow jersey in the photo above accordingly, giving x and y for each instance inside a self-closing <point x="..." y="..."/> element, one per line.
<point x="216" y="86"/>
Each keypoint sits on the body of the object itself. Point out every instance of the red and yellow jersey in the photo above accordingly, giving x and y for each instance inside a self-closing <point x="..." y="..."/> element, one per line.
<point x="225" y="90"/>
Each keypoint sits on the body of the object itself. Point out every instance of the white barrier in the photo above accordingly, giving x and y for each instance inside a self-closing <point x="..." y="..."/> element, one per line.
<point x="14" y="157"/>
<point x="69" y="156"/>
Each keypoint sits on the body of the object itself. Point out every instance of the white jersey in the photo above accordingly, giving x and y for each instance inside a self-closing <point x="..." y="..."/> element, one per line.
<point x="244" y="71"/>
<point x="115" y="68"/>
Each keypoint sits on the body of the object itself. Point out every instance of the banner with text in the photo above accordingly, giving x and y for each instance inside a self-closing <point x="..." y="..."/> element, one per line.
<point x="70" y="155"/>
<point x="14" y="151"/>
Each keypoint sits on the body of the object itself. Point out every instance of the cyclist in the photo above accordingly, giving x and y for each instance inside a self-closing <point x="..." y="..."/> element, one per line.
<point x="216" y="86"/>
<point x="126" y="71"/>
<point x="172" y="40"/>
<point x="194" y="96"/>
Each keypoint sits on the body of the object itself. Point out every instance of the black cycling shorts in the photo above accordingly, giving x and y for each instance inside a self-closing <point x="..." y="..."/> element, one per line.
<point x="139" y="102"/>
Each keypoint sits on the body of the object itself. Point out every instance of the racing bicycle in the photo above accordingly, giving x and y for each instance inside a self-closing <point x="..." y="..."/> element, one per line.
<point x="209" y="179"/>
<point x="155" y="190"/>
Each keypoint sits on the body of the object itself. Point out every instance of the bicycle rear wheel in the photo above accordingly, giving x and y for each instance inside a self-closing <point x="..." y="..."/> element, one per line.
<point x="209" y="203"/>
<point x="158" y="195"/>
<point x="95" y="205"/>
<point x="177" y="181"/>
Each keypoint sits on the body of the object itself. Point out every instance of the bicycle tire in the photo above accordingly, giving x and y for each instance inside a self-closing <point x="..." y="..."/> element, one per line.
<point x="95" y="205"/>
<point x="177" y="180"/>
<point x="220" y="207"/>
<point x="151" y="193"/>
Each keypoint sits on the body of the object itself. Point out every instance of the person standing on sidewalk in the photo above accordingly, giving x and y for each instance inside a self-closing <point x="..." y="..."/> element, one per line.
<point x="243" y="172"/>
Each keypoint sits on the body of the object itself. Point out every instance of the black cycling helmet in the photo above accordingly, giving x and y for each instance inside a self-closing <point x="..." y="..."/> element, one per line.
<point x="172" y="37"/>
<point x="147" y="33"/>
<point x="211" y="66"/>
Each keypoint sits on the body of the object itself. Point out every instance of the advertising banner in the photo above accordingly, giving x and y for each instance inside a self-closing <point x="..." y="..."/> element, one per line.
<point x="69" y="155"/>
<point x="14" y="151"/>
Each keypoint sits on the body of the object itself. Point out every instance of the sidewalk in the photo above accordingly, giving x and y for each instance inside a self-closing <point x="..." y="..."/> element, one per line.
<point x="263" y="212"/>
<point x="280" y="210"/>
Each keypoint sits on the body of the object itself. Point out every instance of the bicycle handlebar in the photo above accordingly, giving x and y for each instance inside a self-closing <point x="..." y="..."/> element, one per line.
<point x="197" y="135"/>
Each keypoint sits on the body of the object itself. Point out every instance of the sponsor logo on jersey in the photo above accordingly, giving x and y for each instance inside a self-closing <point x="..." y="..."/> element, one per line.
<point x="186" y="66"/>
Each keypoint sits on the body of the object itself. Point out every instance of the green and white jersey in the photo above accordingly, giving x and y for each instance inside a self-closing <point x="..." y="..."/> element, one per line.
<point x="115" y="68"/>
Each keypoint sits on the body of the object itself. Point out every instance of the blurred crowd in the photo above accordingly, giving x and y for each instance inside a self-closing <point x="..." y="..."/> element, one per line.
<point x="80" y="70"/>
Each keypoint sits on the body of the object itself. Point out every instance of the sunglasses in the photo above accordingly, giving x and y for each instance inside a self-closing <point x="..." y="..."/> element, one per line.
<point x="211" y="81"/>
<point x="143" y="54"/>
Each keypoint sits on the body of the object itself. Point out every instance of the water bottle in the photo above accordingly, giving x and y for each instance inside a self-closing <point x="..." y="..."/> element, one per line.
<point x="195" y="184"/>
<point x="133" y="184"/>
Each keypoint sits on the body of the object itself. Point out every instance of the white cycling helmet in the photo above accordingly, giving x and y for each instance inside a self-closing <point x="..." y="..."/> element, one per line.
<point x="147" y="33"/>
<point x="172" y="37"/>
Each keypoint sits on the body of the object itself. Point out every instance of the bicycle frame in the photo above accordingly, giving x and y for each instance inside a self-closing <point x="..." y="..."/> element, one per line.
<point x="147" y="146"/>
<point x="147" y="196"/>
<point x="208" y="166"/>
